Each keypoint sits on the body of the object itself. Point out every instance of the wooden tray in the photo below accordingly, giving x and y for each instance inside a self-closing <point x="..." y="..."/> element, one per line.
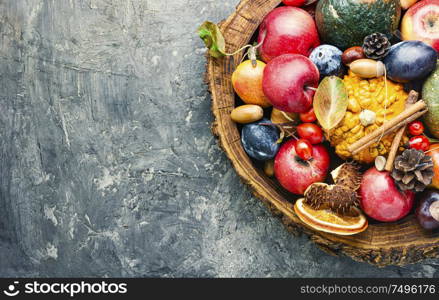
<point x="381" y="244"/>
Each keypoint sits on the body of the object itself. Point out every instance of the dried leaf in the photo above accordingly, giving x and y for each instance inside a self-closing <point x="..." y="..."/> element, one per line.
<point x="278" y="116"/>
<point x="330" y="102"/>
<point x="213" y="39"/>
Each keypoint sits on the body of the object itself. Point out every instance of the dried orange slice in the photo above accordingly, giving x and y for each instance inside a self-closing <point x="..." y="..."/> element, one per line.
<point x="329" y="221"/>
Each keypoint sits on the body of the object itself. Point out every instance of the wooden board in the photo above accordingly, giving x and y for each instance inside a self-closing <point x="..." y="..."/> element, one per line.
<point x="382" y="244"/>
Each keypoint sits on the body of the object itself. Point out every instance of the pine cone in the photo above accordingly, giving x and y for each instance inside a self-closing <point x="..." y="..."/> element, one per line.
<point x="376" y="45"/>
<point x="413" y="170"/>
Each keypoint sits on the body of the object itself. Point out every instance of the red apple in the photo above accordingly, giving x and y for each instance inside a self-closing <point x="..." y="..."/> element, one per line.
<point x="381" y="199"/>
<point x="296" y="3"/>
<point x="295" y="174"/>
<point x="287" y="80"/>
<point x="421" y="22"/>
<point x="285" y="30"/>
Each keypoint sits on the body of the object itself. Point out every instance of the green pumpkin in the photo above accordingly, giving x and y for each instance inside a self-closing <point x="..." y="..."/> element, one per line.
<point x="430" y="94"/>
<point x="345" y="23"/>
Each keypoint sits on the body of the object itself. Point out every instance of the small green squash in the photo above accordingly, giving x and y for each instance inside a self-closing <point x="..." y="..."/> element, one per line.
<point x="345" y="23"/>
<point x="430" y="94"/>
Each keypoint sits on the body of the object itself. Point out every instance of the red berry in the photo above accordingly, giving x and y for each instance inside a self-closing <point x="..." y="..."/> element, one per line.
<point x="304" y="149"/>
<point x="419" y="142"/>
<point x="308" y="117"/>
<point x="310" y="132"/>
<point x="416" y="128"/>
<point x="296" y="3"/>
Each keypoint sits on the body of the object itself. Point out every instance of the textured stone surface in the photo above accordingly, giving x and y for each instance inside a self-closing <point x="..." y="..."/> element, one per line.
<point x="107" y="163"/>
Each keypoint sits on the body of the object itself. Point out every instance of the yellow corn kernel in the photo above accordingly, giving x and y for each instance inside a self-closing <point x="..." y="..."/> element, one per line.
<point x="371" y="128"/>
<point x="353" y="105"/>
<point x="380" y="99"/>
<point x="356" y="129"/>
<point x="343" y="153"/>
<point x="359" y="135"/>
<point x="379" y="121"/>
<point x="392" y="99"/>
<point x="347" y="116"/>
<point x="338" y="132"/>
<point x="351" y="140"/>
<point x="365" y="102"/>
<point x="373" y="152"/>
<point x="350" y="123"/>
<point x="381" y="149"/>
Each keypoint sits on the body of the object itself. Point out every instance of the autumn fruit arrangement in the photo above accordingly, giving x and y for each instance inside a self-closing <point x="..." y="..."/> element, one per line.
<point x="338" y="102"/>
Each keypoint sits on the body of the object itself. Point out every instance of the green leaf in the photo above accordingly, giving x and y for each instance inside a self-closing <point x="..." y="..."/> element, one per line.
<point x="213" y="38"/>
<point x="330" y="102"/>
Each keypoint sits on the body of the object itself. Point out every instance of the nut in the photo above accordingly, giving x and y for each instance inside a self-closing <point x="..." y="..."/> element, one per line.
<point x="367" y="68"/>
<point x="247" y="113"/>
<point x="351" y="54"/>
<point x="434" y="210"/>
<point x="380" y="163"/>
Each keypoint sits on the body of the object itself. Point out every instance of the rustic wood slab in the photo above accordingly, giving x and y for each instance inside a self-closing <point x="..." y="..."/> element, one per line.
<point x="382" y="244"/>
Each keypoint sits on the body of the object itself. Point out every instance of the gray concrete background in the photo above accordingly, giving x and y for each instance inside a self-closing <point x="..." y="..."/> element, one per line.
<point x="107" y="163"/>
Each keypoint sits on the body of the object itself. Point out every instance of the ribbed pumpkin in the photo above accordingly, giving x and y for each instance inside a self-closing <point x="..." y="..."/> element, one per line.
<point x="367" y="110"/>
<point x="345" y="23"/>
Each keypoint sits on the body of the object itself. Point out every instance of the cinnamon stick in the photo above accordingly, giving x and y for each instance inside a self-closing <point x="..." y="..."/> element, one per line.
<point x="411" y="99"/>
<point x="403" y="123"/>
<point x="399" y="119"/>
<point x="394" y="148"/>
